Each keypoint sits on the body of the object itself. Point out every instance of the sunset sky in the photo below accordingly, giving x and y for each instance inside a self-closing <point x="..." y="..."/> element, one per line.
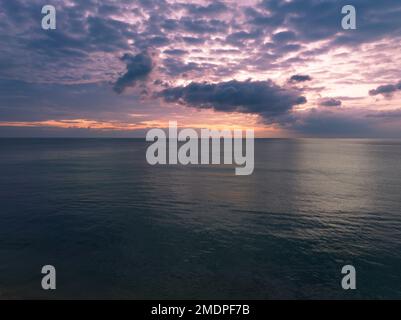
<point x="118" y="68"/>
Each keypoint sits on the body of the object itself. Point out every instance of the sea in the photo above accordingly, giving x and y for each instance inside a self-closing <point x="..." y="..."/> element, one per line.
<point x="115" y="227"/>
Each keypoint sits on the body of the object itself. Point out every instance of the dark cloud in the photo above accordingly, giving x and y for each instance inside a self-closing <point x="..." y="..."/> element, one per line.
<point x="291" y="47"/>
<point x="329" y="124"/>
<point x="321" y="20"/>
<point x="156" y="41"/>
<point x="284" y="36"/>
<point x="391" y="114"/>
<point x="89" y="27"/>
<point x="138" y="68"/>
<point x="193" y="40"/>
<point x="175" y="52"/>
<point x="343" y="123"/>
<point x="170" y="24"/>
<point x="264" y="19"/>
<point x="212" y="8"/>
<point x="175" y="67"/>
<point x="107" y="34"/>
<point x="239" y="38"/>
<point x="300" y="78"/>
<point x="259" y="97"/>
<point x="202" y="26"/>
<point x="108" y="9"/>
<point x="330" y="102"/>
<point x="386" y="90"/>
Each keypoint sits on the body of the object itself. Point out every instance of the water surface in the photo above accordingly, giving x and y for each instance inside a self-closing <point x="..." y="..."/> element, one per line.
<point x="116" y="227"/>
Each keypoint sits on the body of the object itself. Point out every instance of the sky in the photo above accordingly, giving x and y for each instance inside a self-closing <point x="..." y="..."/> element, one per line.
<point x="285" y="68"/>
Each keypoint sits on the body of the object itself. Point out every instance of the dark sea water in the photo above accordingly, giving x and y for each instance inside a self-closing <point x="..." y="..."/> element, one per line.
<point x="116" y="227"/>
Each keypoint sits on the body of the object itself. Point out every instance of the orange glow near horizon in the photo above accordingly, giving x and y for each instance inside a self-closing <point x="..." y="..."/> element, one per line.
<point x="227" y="122"/>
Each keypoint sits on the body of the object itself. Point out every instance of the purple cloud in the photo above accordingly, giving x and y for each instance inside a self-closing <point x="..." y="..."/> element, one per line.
<point x="330" y="102"/>
<point x="300" y="78"/>
<point x="259" y="97"/>
<point x="138" y="68"/>
<point x="386" y="90"/>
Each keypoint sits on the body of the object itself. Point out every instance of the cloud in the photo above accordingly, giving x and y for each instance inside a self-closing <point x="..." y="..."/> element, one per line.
<point x="26" y="101"/>
<point x="300" y="78"/>
<point x="202" y="26"/>
<point x="107" y="34"/>
<point x="386" y="90"/>
<point x="241" y="37"/>
<point x="174" y="67"/>
<point x="264" y="98"/>
<point x="284" y="36"/>
<point x="199" y="41"/>
<point x="212" y="8"/>
<point x="193" y="40"/>
<point x="175" y="52"/>
<point x="391" y="114"/>
<point x="329" y="124"/>
<point x="317" y="20"/>
<point x="330" y="102"/>
<point x="342" y="123"/>
<point x="138" y="68"/>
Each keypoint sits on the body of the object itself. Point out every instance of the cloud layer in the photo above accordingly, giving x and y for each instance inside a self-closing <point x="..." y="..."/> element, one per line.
<point x="210" y="55"/>
<point x="386" y="90"/>
<point x="258" y="97"/>
<point x="138" y="68"/>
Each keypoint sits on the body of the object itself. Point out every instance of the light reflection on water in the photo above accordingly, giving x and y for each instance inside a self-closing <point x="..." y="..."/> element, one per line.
<point x="116" y="227"/>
